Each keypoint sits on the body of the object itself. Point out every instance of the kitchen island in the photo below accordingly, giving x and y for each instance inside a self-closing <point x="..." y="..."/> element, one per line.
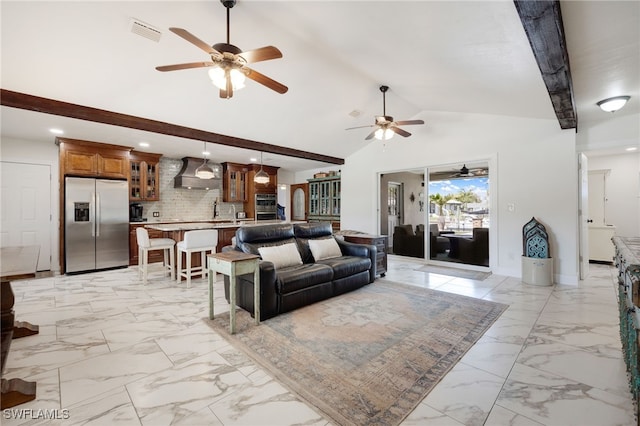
<point x="226" y="230"/>
<point x="175" y="231"/>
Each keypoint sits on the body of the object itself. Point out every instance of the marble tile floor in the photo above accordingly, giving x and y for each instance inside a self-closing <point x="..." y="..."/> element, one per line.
<point x="112" y="351"/>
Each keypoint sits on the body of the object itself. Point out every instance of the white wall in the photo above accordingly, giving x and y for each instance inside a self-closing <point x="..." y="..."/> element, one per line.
<point x="22" y="151"/>
<point x="622" y="190"/>
<point x="535" y="170"/>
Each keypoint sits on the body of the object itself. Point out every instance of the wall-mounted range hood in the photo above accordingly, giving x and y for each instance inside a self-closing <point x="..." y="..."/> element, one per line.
<point x="187" y="178"/>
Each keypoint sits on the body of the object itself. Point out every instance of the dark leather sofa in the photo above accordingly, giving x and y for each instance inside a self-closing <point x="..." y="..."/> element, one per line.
<point x="287" y="288"/>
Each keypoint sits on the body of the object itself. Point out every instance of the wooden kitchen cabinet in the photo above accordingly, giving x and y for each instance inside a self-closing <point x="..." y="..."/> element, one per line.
<point x="84" y="158"/>
<point x="144" y="176"/>
<point x="225" y="235"/>
<point x="234" y="182"/>
<point x="154" y="255"/>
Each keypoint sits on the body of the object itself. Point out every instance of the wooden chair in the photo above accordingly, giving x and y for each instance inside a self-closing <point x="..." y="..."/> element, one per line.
<point x="196" y="241"/>
<point x="146" y="244"/>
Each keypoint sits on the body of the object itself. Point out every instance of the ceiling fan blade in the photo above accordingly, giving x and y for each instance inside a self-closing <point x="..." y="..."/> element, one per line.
<point x="185" y="66"/>
<point x="370" y="135"/>
<point x="266" y="81"/>
<point x="360" y="127"/>
<point x="409" y="122"/>
<point x="399" y="131"/>
<point x="193" y="40"/>
<point x="262" y="54"/>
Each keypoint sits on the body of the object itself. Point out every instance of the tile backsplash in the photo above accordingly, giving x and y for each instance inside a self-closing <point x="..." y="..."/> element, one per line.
<point x="185" y="204"/>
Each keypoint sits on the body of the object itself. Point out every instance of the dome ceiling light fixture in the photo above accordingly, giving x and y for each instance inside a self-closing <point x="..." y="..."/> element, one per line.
<point x="613" y="104"/>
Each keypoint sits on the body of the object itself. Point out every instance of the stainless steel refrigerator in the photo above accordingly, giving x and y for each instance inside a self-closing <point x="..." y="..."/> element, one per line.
<point x="96" y="224"/>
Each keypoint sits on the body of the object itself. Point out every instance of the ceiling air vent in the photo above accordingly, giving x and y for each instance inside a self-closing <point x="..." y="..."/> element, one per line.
<point x="145" y="30"/>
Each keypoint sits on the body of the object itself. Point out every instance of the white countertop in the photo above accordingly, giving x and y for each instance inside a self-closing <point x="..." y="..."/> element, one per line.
<point x="188" y="226"/>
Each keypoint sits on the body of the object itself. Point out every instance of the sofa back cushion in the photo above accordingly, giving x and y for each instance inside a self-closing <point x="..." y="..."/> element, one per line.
<point x="250" y="238"/>
<point x="324" y="248"/>
<point x="306" y="231"/>
<point x="312" y="230"/>
<point x="281" y="255"/>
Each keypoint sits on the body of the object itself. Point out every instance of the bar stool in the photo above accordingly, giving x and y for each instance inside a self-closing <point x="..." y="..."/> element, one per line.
<point x="196" y="241"/>
<point x="146" y="244"/>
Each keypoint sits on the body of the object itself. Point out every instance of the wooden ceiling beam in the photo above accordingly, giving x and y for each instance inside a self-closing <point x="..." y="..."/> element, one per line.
<point x="542" y="21"/>
<point x="80" y="112"/>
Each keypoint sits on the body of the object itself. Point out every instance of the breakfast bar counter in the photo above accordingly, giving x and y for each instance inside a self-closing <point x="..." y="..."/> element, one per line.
<point x="226" y="231"/>
<point x="190" y="226"/>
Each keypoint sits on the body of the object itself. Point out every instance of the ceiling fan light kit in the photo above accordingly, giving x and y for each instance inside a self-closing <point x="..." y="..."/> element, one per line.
<point x="228" y="63"/>
<point x="386" y="127"/>
<point x="219" y="78"/>
<point x="613" y="104"/>
<point x="383" y="134"/>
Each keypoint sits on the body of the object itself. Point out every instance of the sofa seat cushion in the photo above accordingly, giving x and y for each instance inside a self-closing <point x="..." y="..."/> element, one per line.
<point x="345" y="266"/>
<point x="299" y="277"/>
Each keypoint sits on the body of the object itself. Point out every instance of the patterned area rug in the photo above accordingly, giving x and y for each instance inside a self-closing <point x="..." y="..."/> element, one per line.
<point x="455" y="272"/>
<point x="367" y="357"/>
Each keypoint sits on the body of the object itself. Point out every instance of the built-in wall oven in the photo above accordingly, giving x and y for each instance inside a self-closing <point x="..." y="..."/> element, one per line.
<point x="266" y="207"/>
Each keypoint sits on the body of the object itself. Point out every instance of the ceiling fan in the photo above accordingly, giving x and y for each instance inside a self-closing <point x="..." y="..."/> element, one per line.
<point x="466" y="172"/>
<point x="385" y="126"/>
<point x="228" y="62"/>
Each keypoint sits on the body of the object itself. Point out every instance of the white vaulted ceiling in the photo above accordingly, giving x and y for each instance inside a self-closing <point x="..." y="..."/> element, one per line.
<point x="468" y="56"/>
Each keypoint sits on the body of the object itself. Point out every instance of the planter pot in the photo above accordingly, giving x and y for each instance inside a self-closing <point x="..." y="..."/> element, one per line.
<point x="536" y="271"/>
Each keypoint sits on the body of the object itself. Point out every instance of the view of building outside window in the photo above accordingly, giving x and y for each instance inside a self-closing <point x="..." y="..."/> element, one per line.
<point x="459" y="204"/>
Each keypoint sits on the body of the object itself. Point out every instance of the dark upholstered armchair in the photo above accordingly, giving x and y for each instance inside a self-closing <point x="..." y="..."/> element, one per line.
<point x="406" y="243"/>
<point x="475" y="250"/>
<point x="439" y="244"/>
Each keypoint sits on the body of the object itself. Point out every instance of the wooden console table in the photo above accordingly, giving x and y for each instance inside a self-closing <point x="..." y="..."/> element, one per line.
<point x="233" y="263"/>
<point x="17" y="263"/>
<point x="380" y="241"/>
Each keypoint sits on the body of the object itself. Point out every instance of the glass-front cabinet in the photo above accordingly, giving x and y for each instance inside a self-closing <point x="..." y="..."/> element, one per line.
<point x="324" y="200"/>
<point x="234" y="178"/>
<point x="144" y="176"/>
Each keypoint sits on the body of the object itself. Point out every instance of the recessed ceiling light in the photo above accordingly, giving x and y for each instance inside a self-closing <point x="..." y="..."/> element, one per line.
<point x="253" y="160"/>
<point x="56" y="131"/>
<point x="206" y="153"/>
<point x="632" y="148"/>
<point x="144" y="144"/>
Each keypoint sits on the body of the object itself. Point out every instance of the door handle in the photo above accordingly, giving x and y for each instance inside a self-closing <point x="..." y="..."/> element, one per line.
<point x="92" y="214"/>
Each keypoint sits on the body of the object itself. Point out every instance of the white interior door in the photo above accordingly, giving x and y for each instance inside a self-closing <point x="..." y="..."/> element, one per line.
<point x="583" y="216"/>
<point x="25" y="213"/>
